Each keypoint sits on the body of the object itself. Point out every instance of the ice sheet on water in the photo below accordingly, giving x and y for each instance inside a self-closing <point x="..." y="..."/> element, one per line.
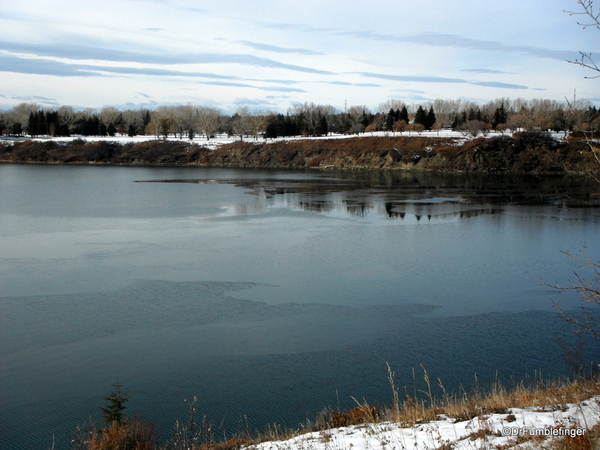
<point x="44" y="321"/>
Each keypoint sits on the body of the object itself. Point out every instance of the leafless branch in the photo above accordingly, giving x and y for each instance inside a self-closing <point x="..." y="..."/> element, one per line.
<point x="589" y="291"/>
<point x="585" y="60"/>
<point x="592" y="20"/>
<point x="588" y="11"/>
<point x="588" y="137"/>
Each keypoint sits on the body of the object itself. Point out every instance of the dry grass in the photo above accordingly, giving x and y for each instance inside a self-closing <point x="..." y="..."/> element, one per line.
<point x="133" y="434"/>
<point x="140" y="435"/>
<point x="587" y="441"/>
<point x="554" y="395"/>
<point x="497" y="400"/>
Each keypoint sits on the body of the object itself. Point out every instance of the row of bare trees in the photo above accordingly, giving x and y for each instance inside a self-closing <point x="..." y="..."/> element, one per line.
<point x="309" y="119"/>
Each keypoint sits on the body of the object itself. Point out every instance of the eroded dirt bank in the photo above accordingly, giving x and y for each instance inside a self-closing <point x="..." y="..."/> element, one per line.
<point x="524" y="153"/>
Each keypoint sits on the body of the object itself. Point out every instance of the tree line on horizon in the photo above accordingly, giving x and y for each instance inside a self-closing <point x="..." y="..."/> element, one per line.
<point x="308" y="119"/>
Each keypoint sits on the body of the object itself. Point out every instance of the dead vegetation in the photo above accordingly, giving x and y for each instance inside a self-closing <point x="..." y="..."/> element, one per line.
<point x="522" y="153"/>
<point x="79" y="151"/>
<point x="477" y="405"/>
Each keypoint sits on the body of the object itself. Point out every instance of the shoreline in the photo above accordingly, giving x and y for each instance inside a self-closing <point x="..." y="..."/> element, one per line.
<point x="523" y="153"/>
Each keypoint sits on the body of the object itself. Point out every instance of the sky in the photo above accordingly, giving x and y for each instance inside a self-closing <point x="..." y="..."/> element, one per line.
<point x="269" y="55"/>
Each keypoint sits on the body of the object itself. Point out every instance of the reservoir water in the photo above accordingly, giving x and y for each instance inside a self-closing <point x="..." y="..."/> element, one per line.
<point x="271" y="294"/>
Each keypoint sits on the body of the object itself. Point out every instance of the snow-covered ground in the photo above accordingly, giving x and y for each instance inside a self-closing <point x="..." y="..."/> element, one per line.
<point x="536" y="426"/>
<point x="224" y="139"/>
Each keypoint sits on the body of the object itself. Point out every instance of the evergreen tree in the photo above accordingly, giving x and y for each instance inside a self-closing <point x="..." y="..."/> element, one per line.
<point x="500" y="116"/>
<point x="455" y="122"/>
<point x="146" y="119"/>
<point x="31" y="125"/>
<point x="280" y="125"/>
<point x="391" y="118"/>
<point x="421" y="116"/>
<point x="321" y="129"/>
<point x="430" y="119"/>
<point x="403" y="115"/>
<point x="16" y="129"/>
<point x="37" y="124"/>
<point x="113" y="412"/>
<point x="42" y="123"/>
<point x="102" y="131"/>
<point x="291" y="127"/>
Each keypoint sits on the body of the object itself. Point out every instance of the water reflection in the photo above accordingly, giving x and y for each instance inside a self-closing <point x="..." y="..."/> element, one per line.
<point x="408" y="197"/>
<point x="330" y="278"/>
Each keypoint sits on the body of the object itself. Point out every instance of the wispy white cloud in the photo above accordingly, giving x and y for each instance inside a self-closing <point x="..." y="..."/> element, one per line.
<point x="37" y="99"/>
<point x="497" y="84"/>
<point x="326" y="52"/>
<point x="461" y="42"/>
<point x="413" y="78"/>
<point x="276" y="49"/>
<point x="346" y="83"/>
<point x="76" y="52"/>
<point x="245" y="85"/>
<point x="432" y="79"/>
<point x="490" y="71"/>
<point x="255" y="103"/>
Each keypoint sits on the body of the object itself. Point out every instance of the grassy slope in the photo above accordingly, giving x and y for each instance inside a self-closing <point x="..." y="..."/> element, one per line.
<point x="474" y="420"/>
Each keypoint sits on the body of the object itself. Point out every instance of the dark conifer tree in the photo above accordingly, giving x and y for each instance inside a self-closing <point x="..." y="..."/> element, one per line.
<point x="146" y="119"/>
<point x="421" y="116"/>
<point x="42" y="123"/>
<point x="321" y="129"/>
<point x="430" y="118"/>
<point x="500" y="116"/>
<point x="403" y="115"/>
<point x="114" y="411"/>
<point x="16" y="129"/>
<point x="391" y="119"/>
<point x="31" y="124"/>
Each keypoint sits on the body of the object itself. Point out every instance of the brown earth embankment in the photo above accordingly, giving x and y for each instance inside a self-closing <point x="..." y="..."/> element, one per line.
<point x="523" y="153"/>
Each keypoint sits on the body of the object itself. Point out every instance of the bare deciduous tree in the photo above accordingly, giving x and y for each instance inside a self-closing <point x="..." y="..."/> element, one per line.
<point x="208" y="120"/>
<point x="589" y="292"/>
<point x="357" y="115"/>
<point x="591" y="20"/>
<point x="20" y="113"/>
<point x="587" y="288"/>
<point x="240" y="121"/>
<point x="399" y="126"/>
<point x="255" y="121"/>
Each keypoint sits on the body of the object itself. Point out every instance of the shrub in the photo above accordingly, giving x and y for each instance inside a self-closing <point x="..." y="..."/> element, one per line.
<point x="132" y="434"/>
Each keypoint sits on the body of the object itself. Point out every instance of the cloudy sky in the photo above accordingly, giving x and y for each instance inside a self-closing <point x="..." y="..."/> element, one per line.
<point x="271" y="54"/>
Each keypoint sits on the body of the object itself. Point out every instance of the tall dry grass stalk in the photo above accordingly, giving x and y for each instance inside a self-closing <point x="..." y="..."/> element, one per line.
<point x="498" y="399"/>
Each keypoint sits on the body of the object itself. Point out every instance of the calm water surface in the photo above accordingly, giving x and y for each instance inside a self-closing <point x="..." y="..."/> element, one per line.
<point x="271" y="294"/>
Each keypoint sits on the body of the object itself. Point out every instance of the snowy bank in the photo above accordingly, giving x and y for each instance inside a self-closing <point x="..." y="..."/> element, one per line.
<point x="517" y="428"/>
